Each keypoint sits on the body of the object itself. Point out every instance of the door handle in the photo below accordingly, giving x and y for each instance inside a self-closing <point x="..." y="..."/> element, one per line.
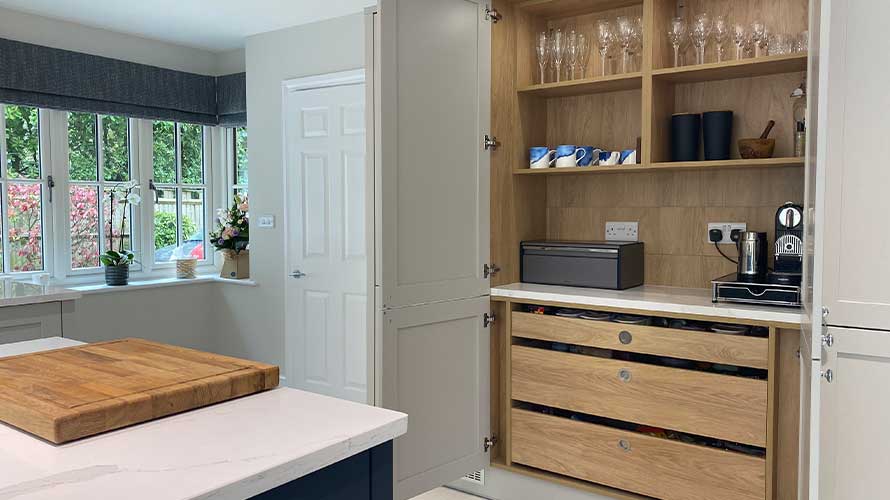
<point x="297" y="274"/>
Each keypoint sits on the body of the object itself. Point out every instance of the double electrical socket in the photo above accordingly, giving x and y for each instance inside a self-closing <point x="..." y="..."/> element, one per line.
<point x="622" y="231"/>
<point x="727" y="228"/>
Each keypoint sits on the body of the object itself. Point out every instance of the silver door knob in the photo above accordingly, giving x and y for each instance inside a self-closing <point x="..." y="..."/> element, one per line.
<point x="297" y="274"/>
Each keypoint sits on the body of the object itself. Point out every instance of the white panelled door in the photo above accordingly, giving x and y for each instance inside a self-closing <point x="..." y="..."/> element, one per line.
<point x="326" y="317"/>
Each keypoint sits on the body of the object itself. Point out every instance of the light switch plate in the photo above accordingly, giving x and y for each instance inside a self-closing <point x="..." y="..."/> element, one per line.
<point x="266" y="221"/>
<point x="727" y="228"/>
<point x="622" y="231"/>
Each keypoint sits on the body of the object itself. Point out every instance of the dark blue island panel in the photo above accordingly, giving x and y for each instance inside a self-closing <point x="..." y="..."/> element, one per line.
<point x="366" y="476"/>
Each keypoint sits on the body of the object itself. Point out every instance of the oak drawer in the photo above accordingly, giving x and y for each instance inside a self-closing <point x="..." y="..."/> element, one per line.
<point x="707" y="404"/>
<point x="752" y="352"/>
<point x="662" y="468"/>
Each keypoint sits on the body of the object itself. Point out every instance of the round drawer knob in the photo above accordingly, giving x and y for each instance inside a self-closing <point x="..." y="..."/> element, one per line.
<point x="624" y="375"/>
<point x="624" y="444"/>
<point x="625" y="337"/>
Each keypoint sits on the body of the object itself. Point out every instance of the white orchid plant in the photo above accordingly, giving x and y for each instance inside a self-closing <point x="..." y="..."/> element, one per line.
<point x="121" y="196"/>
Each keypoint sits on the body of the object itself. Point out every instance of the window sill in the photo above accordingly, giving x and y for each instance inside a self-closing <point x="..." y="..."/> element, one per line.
<point x="157" y="283"/>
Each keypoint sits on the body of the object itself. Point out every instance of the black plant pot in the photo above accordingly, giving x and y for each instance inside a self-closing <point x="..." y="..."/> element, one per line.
<point x="117" y="275"/>
<point x="717" y="132"/>
<point x="685" y="134"/>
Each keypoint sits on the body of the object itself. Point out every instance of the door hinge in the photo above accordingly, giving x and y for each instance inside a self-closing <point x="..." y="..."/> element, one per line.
<point x="488" y="319"/>
<point x="488" y="443"/>
<point x="827" y="339"/>
<point x="492" y="15"/>
<point x="828" y="375"/>
<point x="825" y="312"/>
<point x="489" y="270"/>
<point x="490" y="142"/>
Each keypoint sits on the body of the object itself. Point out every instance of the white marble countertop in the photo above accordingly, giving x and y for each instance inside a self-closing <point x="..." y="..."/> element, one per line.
<point x="17" y="293"/>
<point x="666" y="299"/>
<point x="231" y="450"/>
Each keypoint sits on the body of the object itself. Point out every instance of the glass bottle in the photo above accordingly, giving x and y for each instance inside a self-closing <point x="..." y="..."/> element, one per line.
<point x="799" y="117"/>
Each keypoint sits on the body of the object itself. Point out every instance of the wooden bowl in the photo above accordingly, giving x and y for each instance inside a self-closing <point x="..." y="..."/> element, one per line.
<point x="756" y="148"/>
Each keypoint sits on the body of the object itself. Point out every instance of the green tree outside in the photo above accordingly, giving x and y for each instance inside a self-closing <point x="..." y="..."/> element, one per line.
<point x="22" y="142"/>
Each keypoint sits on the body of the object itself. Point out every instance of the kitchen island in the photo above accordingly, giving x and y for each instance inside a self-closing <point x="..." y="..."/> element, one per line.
<point x="282" y="443"/>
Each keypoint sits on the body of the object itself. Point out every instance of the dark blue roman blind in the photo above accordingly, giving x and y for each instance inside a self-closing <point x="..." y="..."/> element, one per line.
<point x="231" y="100"/>
<point x="61" y="79"/>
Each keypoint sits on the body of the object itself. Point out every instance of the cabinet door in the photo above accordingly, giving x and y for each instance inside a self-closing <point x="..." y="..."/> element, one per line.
<point x="857" y="179"/>
<point x="432" y="169"/>
<point x="434" y="363"/>
<point x="31" y="322"/>
<point x="854" y="416"/>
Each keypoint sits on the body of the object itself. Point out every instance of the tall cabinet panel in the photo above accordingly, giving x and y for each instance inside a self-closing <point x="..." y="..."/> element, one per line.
<point x="433" y="172"/>
<point x="857" y="180"/>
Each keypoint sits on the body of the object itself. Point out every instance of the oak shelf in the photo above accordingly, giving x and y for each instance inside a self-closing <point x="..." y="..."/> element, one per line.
<point x="586" y="86"/>
<point x="728" y="70"/>
<point x="666" y="166"/>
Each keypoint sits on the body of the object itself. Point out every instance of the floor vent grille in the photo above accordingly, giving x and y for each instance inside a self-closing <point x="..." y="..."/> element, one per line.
<point x="477" y="477"/>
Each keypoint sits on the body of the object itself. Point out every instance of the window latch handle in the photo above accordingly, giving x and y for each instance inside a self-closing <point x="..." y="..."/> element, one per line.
<point x="50" y="183"/>
<point x="151" y="186"/>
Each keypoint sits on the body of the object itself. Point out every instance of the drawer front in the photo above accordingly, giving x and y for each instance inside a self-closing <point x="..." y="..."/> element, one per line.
<point x="661" y="468"/>
<point x="752" y="352"/>
<point x="719" y="406"/>
<point x="30" y="322"/>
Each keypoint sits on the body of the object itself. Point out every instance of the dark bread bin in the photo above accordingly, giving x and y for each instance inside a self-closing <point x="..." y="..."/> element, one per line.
<point x="615" y="265"/>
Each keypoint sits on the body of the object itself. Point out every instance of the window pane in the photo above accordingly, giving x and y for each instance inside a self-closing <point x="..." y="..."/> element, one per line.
<point x="192" y="154"/>
<point x="166" y="233"/>
<point x="22" y="142"/>
<point x="241" y="156"/>
<point x="164" y="153"/>
<point x="82" y="153"/>
<point x="25" y="227"/>
<point x="84" y="222"/>
<point x="193" y="223"/>
<point x="117" y="227"/>
<point x="115" y="149"/>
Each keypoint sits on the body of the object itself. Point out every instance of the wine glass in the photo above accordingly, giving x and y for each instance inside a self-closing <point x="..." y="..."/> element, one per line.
<point x="543" y="52"/>
<point x="740" y="39"/>
<point x="557" y="51"/>
<point x="638" y="38"/>
<point x="625" y="38"/>
<point x="572" y="53"/>
<point x="721" y="34"/>
<point x="803" y="40"/>
<point x="676" y="35"/>
<point x="758" y="35"/>
<point x="583" y="53"/>
<point x="604" y="36"/>
<point x="701" y="31"/>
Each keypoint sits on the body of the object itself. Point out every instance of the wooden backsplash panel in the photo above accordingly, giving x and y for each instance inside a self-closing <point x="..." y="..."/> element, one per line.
<point x="673" y="209"/>
<point x="608" y="121"/>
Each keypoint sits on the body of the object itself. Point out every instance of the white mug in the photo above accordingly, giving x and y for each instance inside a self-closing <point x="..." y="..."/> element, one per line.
<point x="567" y="156"/>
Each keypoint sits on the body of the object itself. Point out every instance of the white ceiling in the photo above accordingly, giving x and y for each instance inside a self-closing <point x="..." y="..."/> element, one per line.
<point x="216" y="25"/>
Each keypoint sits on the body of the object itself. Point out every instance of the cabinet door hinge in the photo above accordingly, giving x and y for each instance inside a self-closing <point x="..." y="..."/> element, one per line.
<point x="488" y="319"/>
<point x="489" y="270"/>
<point x="488" y="443"/>
<point x="492" y="15"/>
<point x="490" y="142"/>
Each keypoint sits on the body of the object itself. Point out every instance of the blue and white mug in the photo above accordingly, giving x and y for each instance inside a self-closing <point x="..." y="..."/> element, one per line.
<point x="609" y="158"/>
<point x="591" y="156"/>
<point x="540" y="157"/>
<point x="628" y="157"/>
<point x="567" y="155"/>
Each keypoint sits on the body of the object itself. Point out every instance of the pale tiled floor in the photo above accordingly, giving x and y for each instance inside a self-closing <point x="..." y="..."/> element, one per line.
<point x="445" y="494"/>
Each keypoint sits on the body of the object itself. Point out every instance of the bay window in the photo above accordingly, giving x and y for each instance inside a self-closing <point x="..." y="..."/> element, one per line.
<point x="239" y="161"/>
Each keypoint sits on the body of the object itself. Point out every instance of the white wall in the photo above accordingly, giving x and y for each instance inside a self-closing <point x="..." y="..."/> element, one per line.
<point x="252" y="319"/>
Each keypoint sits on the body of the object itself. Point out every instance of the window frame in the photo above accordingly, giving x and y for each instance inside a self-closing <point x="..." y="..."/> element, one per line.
<point x="231" y="148"/>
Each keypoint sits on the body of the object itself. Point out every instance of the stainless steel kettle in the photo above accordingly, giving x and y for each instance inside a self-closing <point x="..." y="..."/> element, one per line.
<point x="752" y="257"/>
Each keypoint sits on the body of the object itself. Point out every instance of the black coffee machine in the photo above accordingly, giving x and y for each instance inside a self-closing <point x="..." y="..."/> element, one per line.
<point x="788" y="263"/>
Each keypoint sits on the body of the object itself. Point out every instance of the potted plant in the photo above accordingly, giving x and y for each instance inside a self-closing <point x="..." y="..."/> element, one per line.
<point x="117" y="262"/>
<point x="232" y="238"/>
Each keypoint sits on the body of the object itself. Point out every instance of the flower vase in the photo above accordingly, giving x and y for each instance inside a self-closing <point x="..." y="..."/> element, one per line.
<point x="118" y="275"/>
<point x="236" y="265"/>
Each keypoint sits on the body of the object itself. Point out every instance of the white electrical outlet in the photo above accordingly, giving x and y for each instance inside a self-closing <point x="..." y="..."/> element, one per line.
<point x="727" y="228"/>
<point x="622" y="231"/>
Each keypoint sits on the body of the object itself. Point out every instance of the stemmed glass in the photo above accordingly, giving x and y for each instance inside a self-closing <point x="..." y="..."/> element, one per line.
<point x="759" y="35"/>
<point x="721" y="33"/>
<point x="583" y="53"/>
<point x="740" y="39"/>
<point x="676" y="35"/>
<point x="543" y="52"/>
<point x="604" y="36"/>
<point x="572" y="53"/>
<point x="701" y="31"/>
<point x="638" y="39"/>
<point x="557" y="51"/>
<point x="625" y="38"/>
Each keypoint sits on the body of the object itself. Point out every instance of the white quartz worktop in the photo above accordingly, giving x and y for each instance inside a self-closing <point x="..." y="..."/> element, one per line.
<point x="17" y="293"/>
<point x="665" y="299"/>
<point x="232" y="450"/>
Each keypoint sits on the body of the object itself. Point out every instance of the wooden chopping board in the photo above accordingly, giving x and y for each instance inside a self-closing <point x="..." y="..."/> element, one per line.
<point x="70" y="393"/>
